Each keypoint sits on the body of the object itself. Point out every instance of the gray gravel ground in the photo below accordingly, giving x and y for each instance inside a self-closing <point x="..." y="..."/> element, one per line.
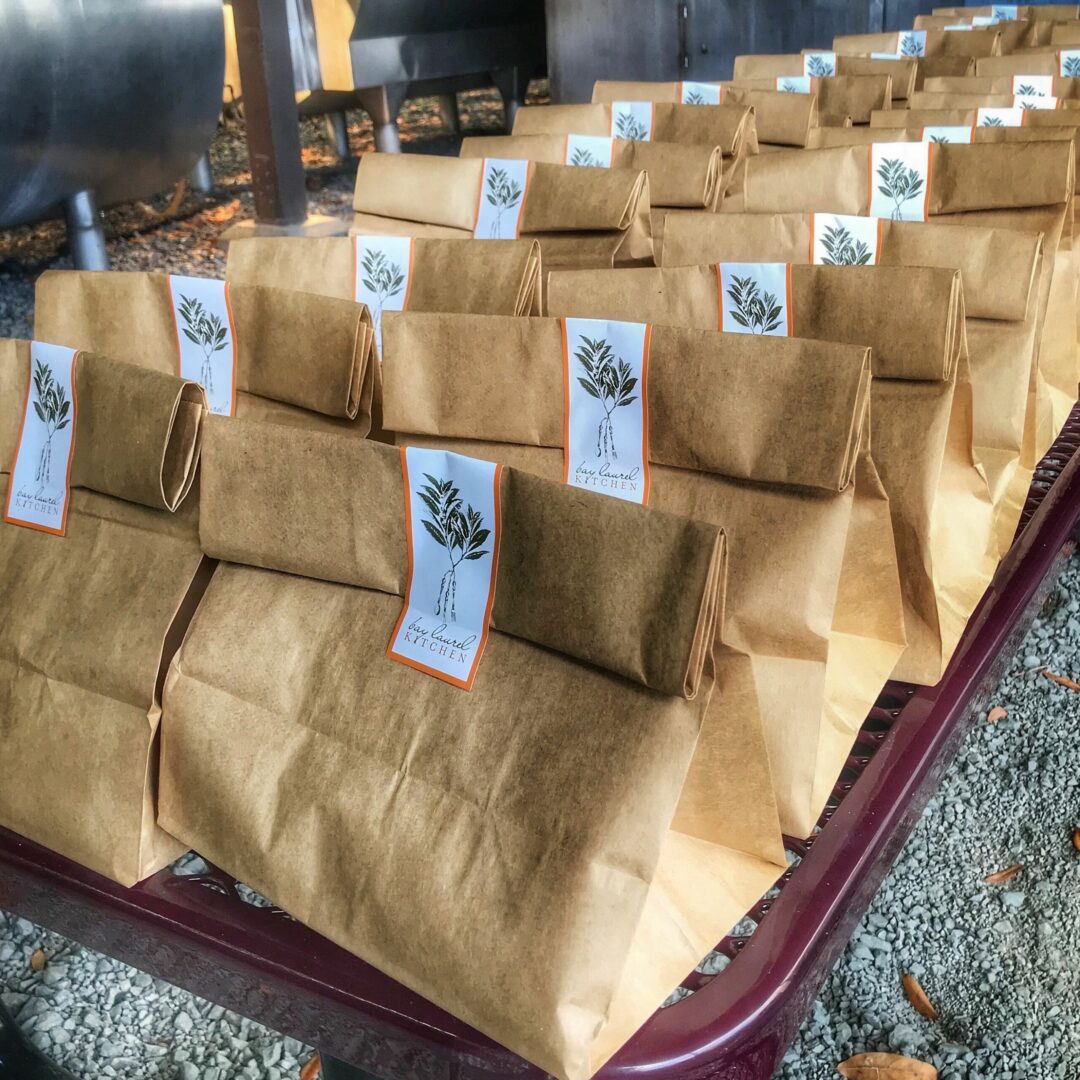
<point x="1000" y="963"/>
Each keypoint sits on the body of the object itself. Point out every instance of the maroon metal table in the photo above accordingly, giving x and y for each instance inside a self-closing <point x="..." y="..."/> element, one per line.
<point x="197" y="932"/>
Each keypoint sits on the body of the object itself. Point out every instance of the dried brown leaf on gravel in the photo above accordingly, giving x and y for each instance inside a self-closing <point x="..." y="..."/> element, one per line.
<point x="1001" y="876"/>
<point x="1062" y="680"/>
<point x="37" y="960"/>
<point x="995" y="714"/>
<point x="917" y="996"/>
<point x="1076" y="837"/>
<point x="886" y="1067"/>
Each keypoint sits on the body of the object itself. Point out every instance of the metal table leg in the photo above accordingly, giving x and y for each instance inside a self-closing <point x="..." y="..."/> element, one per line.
<point x="337" y="126"/>
<point x="202" y="176"/>
<point x="86" y="232"/>
<point x="383" y="103"/>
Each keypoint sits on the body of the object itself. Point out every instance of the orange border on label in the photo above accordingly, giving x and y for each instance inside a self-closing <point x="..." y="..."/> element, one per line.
<point x="232" y="334"/>
<point x="645" y="350"/>
<point x="71" y="453"/>
<point x="463" y="684"/>
<point x="480" y="195"/>
<point x="790" y="314"/>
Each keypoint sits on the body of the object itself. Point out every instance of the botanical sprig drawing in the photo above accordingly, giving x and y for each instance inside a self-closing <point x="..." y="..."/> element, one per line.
<point x="819" y="66"/>
<point x="789" y="87"/>
<point x="581" y="156"/>
<point x="1071" y="66"/>
<point x="627" y="126"/>
<point x="205" y="330"/>
<point x="899" y="183"/>
<point x="910" y="45"/>
<point x="460" y="532"/>
<point x="940" y="139"/>
<point x="383" y="278"/>
<point x="1025" y="90"/>
<point x="1028" y="105"/>
<point x="753" y="308"/>
<point x="992" y="121"/>
<point x="504" y="193"/>
<point x="842" y="249"/>
<point x="694" y="98"/>
<point x="610" y="380"/>
<point x="53" y="409"/>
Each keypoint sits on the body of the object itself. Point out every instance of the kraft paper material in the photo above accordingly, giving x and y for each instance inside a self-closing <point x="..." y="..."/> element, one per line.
<point x="944" y="514"/>
<point x="301" y="358"/>
<point x="1004" y="185"/>
<point x="580" y="217"/>
<point x="498" y="277"/>
<point x="91" y="617"/>
<point x="431" y="830"/>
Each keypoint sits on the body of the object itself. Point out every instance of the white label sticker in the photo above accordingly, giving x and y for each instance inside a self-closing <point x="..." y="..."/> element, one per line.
<point x="504" y="187"/>
<point x="794" y="84"/>
<point x="40" y="482"/>
<point x="900" y="180"/>
<point x="632" y="120"/>
<point x="819" y="64"/>
<point x="959" y="26"/>
<point x="1012" y="116"/>
<point x="699" y="93"/>
<point x="452" y="530"/>
<point x="1033" y="85"/>
<point x="1069" y="63"/>
<point x="1004" y="11"/>
<point x="382" y="267"/>
<point x="844" y="240"/>
<point x="206" y="338"/>
<point x="985" y="20"/>
<point x="948" y="133"/>
<point x="755" y="298"/>
<point x="886" y="56"/>
<point x="911" y="43"/>
<point x="592" y="151"/>
<point x="605" y="407"/>
<point x="1036" y="101"/>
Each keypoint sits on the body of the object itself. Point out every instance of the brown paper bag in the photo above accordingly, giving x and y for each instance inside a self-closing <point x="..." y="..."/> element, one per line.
<point x="779" y="119"/>
<point x="91" y="617"/>
<point x="780" y="486"/>
<point x="1002" y="185"/>
<point x="947" y="537"/>
<point x="936" y="66"/>
<point x="1023" y="11"/>
<point x="300" y="358"/>
<point x="777" y="66"/>
<point x="1015" y="33"/>
<point x="842" y="99"/>
<point x="952" y="99"/>
<point x="1065" y="34"/>
<point x="492" y="830"/>
<point x="984" y="41"/>
<point x="501" y="277"/>
<point x="1029" y="62"/>
<point x="1064" y="89"/>
<point x="594" y="217"/>
<point x="681" y="176"/>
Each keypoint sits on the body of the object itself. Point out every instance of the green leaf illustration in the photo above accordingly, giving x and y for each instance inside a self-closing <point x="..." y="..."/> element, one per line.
<point x="627" y="126"/>
<point x="694" y="98"/>
<point x="899" y="183"/>
<point x="51" y="407"/>
<point x="504" y="194"/>
<point x="819" y="66"/>
<point x="753" y="308"/>
<point x="460" y="531"/>
<point x="842" y="249"/>
<point x="610" y="380"/>
<point x="581" y="156"/>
